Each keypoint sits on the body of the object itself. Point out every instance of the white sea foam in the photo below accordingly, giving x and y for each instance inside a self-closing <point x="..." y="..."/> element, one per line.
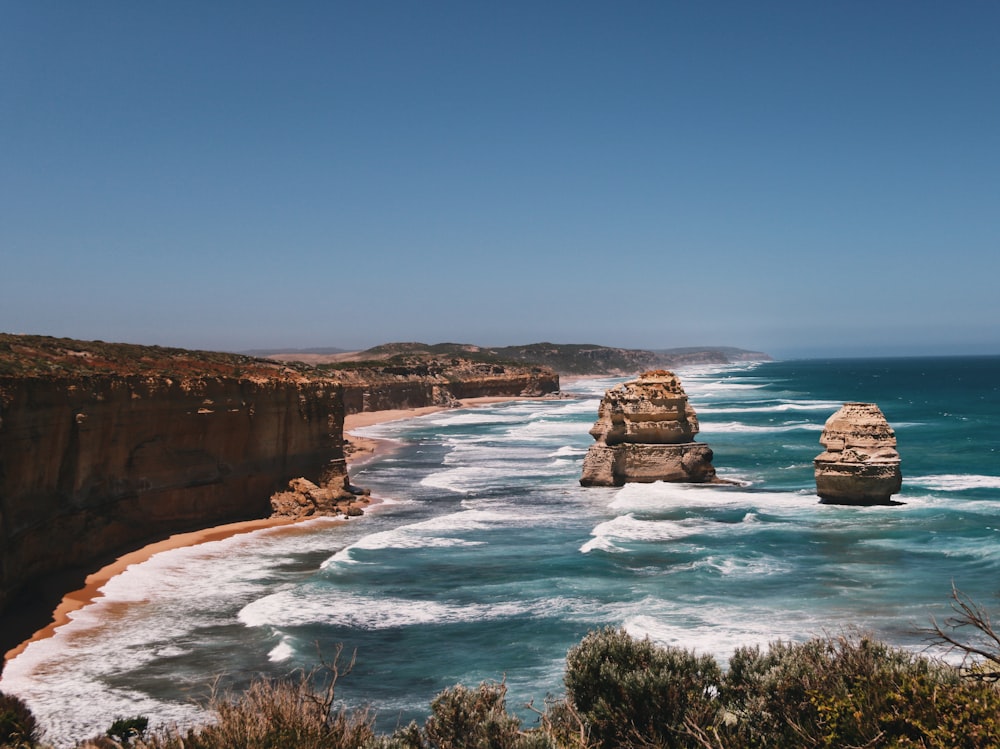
<point x="613" y="534"/>
<point x="628" y="528"/>
<point x="294" y="608"/>
<point x="281" y="652"/>
<point x="784" y="407"/>
<point x="397" y="539"/>
<point x="297" y="608"/>
<point x="726" y="385"/>
<point x="567" y="451"/>
<point x="542" y="429"/>
<point x="475" y="417"/>
<point x="955" y="482"/>
<point x="708" y="427"/>
<point x="573" y="408"/>
<point x="661" y="495"/>
<point x="480" y="466"/>
<point x="735" y="567"/>
<point x="461" y="480"/>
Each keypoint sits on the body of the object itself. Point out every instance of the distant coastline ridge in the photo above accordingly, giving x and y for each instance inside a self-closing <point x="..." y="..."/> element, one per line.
<point x="564" y="358"/>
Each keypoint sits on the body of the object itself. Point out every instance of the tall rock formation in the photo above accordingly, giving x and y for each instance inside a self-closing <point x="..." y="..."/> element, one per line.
<point x="645" y="432"/>
<point x="860" y="464"/>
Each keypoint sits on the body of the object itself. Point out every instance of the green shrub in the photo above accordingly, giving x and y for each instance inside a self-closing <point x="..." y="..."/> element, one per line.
<point x="470" y="718"/>
<point x="632" y="692"/>
<point x="281" y="715"/>
<point x="853" y="691"/>
<point x="18" y="727"/>
<point x="127" y="730"/>
<point x="462" y="717"/>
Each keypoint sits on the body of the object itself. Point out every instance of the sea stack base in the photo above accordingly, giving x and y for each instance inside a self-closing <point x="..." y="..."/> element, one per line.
<point x="619" y="464"/>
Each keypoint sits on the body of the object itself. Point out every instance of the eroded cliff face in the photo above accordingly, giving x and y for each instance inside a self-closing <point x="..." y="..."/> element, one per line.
<point x="433" y="382"/>
<point x="645" y="432"/>
<point x="95" y="464"/>
<point x="859" y="464"/>
<point x="105" y="447"/>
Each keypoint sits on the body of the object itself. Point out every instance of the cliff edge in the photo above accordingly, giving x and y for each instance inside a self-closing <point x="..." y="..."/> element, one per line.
<point x="105" y="447"/>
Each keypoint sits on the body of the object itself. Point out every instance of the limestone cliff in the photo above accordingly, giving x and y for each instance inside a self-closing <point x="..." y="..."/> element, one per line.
<point x="92" y="466"/>
<point x="105" y="447"/>
<point x="860" y="464"/>
<point x="645" y="432"/>
<point x="415" y="382"/>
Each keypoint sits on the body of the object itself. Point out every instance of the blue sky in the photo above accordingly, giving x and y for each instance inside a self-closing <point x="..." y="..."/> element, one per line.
<point x="798" y="177"/>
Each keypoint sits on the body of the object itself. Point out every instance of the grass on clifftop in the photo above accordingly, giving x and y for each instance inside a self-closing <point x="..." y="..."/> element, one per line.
<point x="41" y="356"/>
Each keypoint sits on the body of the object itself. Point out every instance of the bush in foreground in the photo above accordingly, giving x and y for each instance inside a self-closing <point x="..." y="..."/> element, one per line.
<point x="627" y="690"/>
<point x="849" y="691"/>
<point x="18" y="727"/>
<point x="853" y="691"/>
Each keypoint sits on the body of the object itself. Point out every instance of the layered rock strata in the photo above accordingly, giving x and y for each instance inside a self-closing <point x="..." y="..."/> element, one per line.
<point x="859" y="464"/>
<point x="645" y="432"/>
<point x="432" y="382"/>
<point x="95" y="465"/>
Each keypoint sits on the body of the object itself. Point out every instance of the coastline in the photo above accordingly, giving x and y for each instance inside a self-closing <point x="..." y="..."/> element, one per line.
<point x="363" y="450"/>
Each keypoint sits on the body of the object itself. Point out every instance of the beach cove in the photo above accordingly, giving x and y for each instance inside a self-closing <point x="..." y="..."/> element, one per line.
<point x="363" y="449"/>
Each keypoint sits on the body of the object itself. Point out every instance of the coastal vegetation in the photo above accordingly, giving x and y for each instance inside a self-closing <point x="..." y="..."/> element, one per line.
<point x="837" y="691"/>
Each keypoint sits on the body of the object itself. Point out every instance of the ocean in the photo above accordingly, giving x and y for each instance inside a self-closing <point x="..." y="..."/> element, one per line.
<point x="487" y="560"/>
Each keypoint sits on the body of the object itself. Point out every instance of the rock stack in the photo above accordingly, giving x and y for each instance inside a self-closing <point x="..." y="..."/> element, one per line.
<point x="860" y="465"/>
<point x="645" y="432"/>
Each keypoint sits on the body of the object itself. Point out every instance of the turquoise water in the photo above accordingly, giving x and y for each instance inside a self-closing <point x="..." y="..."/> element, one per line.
<point x="488" y="560"/>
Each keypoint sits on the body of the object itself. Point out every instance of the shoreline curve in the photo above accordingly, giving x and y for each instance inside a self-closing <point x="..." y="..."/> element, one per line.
<point x="364" y="450"/>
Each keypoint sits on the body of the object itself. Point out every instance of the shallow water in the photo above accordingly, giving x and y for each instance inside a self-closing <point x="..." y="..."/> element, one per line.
<point x="489" y="561"/>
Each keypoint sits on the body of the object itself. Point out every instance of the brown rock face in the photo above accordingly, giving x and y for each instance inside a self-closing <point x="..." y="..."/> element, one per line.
<point x="305" y="499"/>
<point x="860" y="465"/>
<point x="645" y="432"/>
<point x="434" y="382"/>
<point x="97" y="464"/>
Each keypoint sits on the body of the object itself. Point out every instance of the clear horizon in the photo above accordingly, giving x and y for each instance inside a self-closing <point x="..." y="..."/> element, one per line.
<point x="803" y="180"/>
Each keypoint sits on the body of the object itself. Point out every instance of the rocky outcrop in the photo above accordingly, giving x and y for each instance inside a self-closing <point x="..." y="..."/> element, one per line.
<point x="859" y="464"/>
<point x="645" y="432"/>
<point x="304" y="499"/>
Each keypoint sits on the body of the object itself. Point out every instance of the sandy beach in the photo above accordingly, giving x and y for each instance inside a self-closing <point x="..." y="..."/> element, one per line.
<point x="358" y="450"/>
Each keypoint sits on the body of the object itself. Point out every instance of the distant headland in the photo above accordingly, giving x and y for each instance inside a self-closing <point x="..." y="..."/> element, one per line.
<point x="565" y="358"/>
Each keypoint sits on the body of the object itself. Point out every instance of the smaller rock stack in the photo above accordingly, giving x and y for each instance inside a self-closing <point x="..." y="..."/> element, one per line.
<point x="645" y="432"/>
<point x="860" y="465"/>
